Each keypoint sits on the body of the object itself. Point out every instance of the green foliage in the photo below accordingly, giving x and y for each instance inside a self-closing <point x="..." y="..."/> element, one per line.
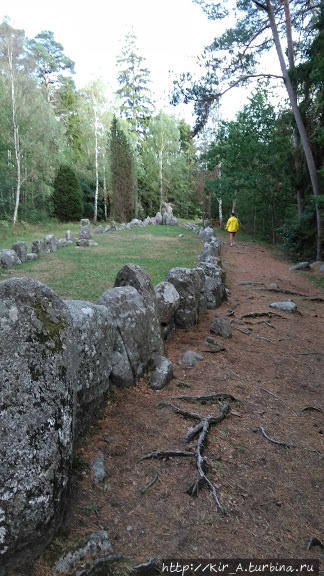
<point x="67" y="195"/>
<point x="255" y="156"/>
<point x="298" y="236"/>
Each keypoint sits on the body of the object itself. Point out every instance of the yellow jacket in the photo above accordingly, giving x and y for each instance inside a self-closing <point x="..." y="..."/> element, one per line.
<point x="232" y="224"/>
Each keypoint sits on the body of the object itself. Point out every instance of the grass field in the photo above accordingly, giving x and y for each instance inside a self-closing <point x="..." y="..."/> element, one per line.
<point x="85" y="273"/>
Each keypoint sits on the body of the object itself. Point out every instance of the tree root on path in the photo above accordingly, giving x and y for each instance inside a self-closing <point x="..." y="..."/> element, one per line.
<point x="287" y="444"/>
<point x="200" y="430"/>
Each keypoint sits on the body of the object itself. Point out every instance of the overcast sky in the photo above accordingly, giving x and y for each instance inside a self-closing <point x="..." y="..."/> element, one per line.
<point x="170" y="34"/>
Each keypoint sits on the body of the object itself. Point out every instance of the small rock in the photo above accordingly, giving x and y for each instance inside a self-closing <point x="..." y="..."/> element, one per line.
<point x="221" y="327"/>
<point x="300" y="266"/>
<point x="98" y="467"/>
<point x="190" y="358"/>
<point x="288" y="306"/>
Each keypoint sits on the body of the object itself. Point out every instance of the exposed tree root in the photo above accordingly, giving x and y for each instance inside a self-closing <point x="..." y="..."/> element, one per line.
<point x="260" y="314"/>
<point x="160" y="454"/>
<point x="200" y="430"/>
<point x="287" y="444"/>
<point x="208" y="397"/>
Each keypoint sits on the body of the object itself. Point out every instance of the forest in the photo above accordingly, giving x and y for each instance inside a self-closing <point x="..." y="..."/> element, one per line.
<point x="68" y="153"/>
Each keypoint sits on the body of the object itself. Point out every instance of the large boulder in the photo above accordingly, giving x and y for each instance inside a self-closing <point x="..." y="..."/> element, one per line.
<point x="85" y="229"/>
<point x="50" y="243"/>
<point x="131" y="354"/>
<point x="38" y="368"/>
<point x="135" y="276"/>
<point x="214" y="284"/>
<point x="211" y="248"/>
<point x="38" y="247"/>
<point x="21" y="250"/>
<point x="9" y="258"/>
<point x="190" y="285"/>
<point x="94" y="334"/>
<point x="168" y="302"/>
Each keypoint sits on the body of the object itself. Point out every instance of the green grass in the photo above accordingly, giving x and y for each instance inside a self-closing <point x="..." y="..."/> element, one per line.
<point x="85" y="273"/>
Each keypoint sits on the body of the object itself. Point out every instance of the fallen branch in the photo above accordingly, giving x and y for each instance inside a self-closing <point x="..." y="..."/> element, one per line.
<point x="156" y="477"/>
<point x="307" y="408"/>
<point x="268" y="391"/>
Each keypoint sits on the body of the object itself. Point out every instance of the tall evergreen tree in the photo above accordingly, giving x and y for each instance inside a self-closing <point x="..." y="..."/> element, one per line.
<point x="136" y="104"/>
<point x="67" y="195"/>
<point x="122" y="172"/>
<point x="50" y="61"/>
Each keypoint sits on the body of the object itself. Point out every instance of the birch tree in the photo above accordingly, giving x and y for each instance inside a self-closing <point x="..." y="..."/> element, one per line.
<point x="12" y="60"/>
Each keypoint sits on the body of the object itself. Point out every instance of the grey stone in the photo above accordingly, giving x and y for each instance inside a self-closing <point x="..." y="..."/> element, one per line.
<point x="131" y="354"/>
<point x="98" y="468"/>
<point x="221" y="327"/>
<point x="62" y="242"/>
<point x="50" y="243"/>
<point x="300" y="266"/>
<point x="287" y="306"/>
<point x="162" y="373"/>
<point x="38" y="367"/>
<point x="190" y="358"/>
<point x="321" y="268"/>
<point x="21" y="249"/>
<point x="85" y="229"/>
<point x="94" y="333"/>
<point x="168" y="301"/>
<point x="69" y="236"/>
<point x="190" y="285"/>
<point x="211" y="248"/>
<point x="99" y="229"/>
<point x="158" y="218"/>
<point x="9" y="258"/>
<point x="38" y="247"/>
<point x="91" y="544"/>
<point x="31" y="256"/>
<point x="214" y="284"/>
<point x="135" y="276"/>
<point x="206" y="233"/>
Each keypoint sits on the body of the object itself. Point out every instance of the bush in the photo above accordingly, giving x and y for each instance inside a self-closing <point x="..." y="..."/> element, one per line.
<point x="67" y="195"/>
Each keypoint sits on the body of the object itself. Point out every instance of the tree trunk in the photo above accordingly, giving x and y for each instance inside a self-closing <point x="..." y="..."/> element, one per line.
<point x="220" y="212"/>
<point x="296" y="138"/>
<point x="298" y="118"/>
<point x="161" y="178"/>
<point x="16" y="136"/>
<point x="95" y="210"/>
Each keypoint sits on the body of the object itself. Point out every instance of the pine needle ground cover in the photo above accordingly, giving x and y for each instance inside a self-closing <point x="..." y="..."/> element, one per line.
<point x="84" y="273"/>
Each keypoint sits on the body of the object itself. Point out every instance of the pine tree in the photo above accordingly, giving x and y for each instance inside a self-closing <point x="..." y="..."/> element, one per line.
<point x="67" y="195"/>
<point x="122" y="172"/>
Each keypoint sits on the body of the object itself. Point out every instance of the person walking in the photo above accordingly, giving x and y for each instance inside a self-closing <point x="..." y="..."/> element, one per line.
<point x="232" y="227"/>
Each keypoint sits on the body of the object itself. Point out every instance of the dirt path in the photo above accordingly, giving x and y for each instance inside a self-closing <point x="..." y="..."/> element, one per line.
<point x="273" y="495"/>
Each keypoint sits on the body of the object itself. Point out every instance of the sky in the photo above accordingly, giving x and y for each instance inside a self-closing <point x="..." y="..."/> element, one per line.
<point x="170" y="35"/>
